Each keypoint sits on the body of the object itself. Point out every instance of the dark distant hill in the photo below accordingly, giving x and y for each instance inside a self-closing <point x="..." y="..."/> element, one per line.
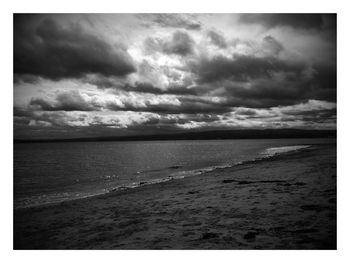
<point x="209" y="135"/>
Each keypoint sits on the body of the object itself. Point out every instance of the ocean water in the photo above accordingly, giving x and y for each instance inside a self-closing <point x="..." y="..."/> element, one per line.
<point x="55" y="172"/>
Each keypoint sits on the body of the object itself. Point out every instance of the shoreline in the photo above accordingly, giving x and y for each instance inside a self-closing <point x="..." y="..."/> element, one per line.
<point x="196" y="172"/>
<point x="152" y="215"/>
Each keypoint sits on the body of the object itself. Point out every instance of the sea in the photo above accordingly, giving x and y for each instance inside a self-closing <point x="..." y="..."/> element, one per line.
<point x="54" y="172"/>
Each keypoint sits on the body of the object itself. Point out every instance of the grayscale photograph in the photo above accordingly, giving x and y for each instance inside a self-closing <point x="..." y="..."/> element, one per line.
<point x="175" y="131"/>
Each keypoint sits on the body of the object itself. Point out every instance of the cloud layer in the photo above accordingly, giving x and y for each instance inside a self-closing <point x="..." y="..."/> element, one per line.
<point x="53" y="51"/>
<point x="101" y="75"/>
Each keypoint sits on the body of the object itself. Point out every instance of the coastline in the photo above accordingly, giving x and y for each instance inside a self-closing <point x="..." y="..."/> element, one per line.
<point x="284" y="202"/>
<point x="268" y="153"/>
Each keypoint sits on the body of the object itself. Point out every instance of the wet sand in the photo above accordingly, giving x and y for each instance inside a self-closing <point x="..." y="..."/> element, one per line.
<point x="286" y="202"/>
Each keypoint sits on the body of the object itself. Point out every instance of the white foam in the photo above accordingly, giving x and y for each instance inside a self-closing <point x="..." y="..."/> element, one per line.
<point x="278" y="150"/>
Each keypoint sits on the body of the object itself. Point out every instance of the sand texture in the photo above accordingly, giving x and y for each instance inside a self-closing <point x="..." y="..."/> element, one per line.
<point x="286" y="202"/>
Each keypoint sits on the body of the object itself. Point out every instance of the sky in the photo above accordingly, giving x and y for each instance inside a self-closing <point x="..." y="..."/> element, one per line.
<point x="93" y="75"/>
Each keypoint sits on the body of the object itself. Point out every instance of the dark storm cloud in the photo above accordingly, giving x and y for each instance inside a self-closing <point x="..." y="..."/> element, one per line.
<point x="242" y="68"/>
<point x="48" y="49"/>
<point x="25" y="78"/>
<point x="323" y="113"/>
<point x="324" y="83"/>
<point x="300" y="21"/>
<point x="70" y="81"/>
<point x="176" y="21"/>
<point x="263" y="82"/>
<point x="42" y="104"/>
<point x="181" y="44"/>
<point x="265" y="93"/>
<point x="141" y="87"/>
<point x="246" y="112"/>
<point x="310" y="116"/>
<point x="145" y="87"/>
<point x="217" y="39"/>
<point x="65" y="101"/>
<point x="272" y="45"/>
<point x="318" y="116"/>
<point x="262" y="88"/>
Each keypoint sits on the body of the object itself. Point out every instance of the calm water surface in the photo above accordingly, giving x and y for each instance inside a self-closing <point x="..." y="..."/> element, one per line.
<point x="53" y="172"/>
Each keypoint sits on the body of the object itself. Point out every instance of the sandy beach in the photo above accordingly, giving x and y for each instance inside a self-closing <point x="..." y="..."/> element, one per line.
<point x="285" y="202"/>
